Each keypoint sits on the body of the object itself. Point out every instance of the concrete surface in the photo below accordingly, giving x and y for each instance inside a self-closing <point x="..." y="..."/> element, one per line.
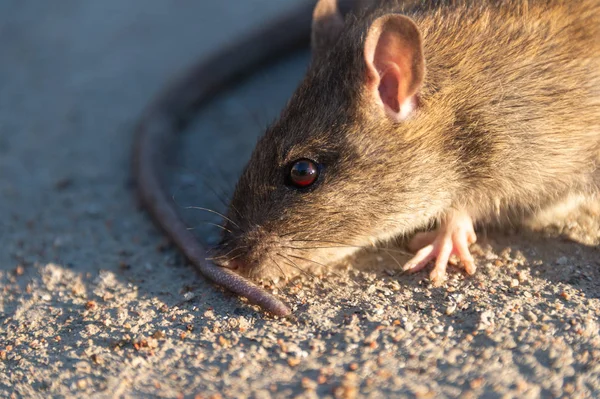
<point x="94" y="303"/>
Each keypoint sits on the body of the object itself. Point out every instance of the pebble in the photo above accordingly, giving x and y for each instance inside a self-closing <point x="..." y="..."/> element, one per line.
<point x="294" y="361"/>
<point x="96" y="358"/>
<point x="562" y="261"/>
<point x="531" y="316"/>
<point x="450" y="309"/>
<point x="566" y="296"/>
<point x="486" y="319"/>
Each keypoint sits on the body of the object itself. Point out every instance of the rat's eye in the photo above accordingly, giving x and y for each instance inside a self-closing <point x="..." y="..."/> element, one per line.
<point x="303" y="173"/>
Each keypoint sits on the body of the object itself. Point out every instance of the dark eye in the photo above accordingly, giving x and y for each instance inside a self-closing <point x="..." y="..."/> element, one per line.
<point x="303" y="173"/>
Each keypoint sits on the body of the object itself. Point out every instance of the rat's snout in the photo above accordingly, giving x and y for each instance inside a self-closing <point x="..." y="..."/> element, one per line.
<point x="235" y="264"/>
<point x="247" y="253"/>
<point x="241" y="262"/>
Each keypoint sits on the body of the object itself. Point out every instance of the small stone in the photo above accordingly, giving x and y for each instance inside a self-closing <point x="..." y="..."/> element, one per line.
<point x="450" y="309"/>
<point x="562" y="261"/>
<point x="293" y="361"/>
<point x="97" y="359"/>
<point x="349" y="387"/>
<point x="486" y="319"/>
<point x="78" y="289"/>
<point x="477" y="383"/>
<point x="209" y="314"/>
<point x="422" y="392"/>
<point x="565" y="296"/>
<point x="224" y="342"/>
<point x="531" y="316"/>
<point x="309" y="384"/>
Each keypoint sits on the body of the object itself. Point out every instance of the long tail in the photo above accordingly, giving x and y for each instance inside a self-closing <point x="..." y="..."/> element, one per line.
<point x="167" y="116"/>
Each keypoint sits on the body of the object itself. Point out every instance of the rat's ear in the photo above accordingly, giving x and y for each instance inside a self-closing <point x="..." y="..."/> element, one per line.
<point x="395" y="64"/>
<point x="326" y="26"/>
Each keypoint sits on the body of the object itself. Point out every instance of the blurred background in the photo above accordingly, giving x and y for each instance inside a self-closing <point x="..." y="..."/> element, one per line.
<point x="75" y="77"/>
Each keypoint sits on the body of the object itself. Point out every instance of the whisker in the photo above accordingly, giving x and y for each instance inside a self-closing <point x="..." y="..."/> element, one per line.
<point x="295" y="266"/>
<point x="394" y="251"/>
<point x="279" y="267"/>
<point x="212" y="224"/>
<point x="335" y="288"/>
<point x="393" y="258"/>
<point x="235" y="209"/>
<point x="329" y="247"/>
<point x="306" y="259"/>
<point x="220" y="257"/>
<point x="223" y="197"/>
<point x="328" y="242"/>
<point x="389" y="251"/>
<point x="317" y="263"/>
<point x="342" y="245"/>
<point x="227" y="254"/>
<point x="199" y="208"/>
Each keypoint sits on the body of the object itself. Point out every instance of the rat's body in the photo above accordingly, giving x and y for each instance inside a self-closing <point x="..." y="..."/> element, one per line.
<point x="490" y="110"/>
<point x="476" y="111"/>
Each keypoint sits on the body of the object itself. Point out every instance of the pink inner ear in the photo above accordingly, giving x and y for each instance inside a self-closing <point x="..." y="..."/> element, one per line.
<point x="388" y="90"/>
<point x="394" y="59"/>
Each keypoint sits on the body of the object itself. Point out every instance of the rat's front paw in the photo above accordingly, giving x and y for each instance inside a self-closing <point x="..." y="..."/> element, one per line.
<point x="453" y="237"/>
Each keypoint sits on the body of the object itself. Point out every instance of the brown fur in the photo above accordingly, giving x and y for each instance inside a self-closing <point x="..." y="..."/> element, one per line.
<point x="508" y="122"/>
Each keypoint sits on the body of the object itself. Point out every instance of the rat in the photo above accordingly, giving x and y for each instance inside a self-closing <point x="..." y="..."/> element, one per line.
<point x="414" y="118"/>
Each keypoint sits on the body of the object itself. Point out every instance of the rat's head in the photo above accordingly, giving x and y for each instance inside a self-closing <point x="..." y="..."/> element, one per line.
<point x="334" y="173"/>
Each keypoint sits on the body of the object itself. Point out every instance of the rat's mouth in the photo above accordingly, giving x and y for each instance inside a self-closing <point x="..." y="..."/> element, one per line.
<point x="240" y="266"/>
<point x="235" y="265"/>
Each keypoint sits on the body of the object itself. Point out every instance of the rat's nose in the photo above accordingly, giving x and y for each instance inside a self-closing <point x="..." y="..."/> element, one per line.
<point x="241" y="266"/>
<point x="234" y="264"/>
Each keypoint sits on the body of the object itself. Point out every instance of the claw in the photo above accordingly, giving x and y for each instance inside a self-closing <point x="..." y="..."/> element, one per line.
<point x="452" y="238"/>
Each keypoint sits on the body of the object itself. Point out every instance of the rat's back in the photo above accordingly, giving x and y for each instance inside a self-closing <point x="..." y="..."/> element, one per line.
<point x="522" y="81"/>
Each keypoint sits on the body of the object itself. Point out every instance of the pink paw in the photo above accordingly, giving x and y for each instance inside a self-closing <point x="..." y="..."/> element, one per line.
<point x="453" y="237"/>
